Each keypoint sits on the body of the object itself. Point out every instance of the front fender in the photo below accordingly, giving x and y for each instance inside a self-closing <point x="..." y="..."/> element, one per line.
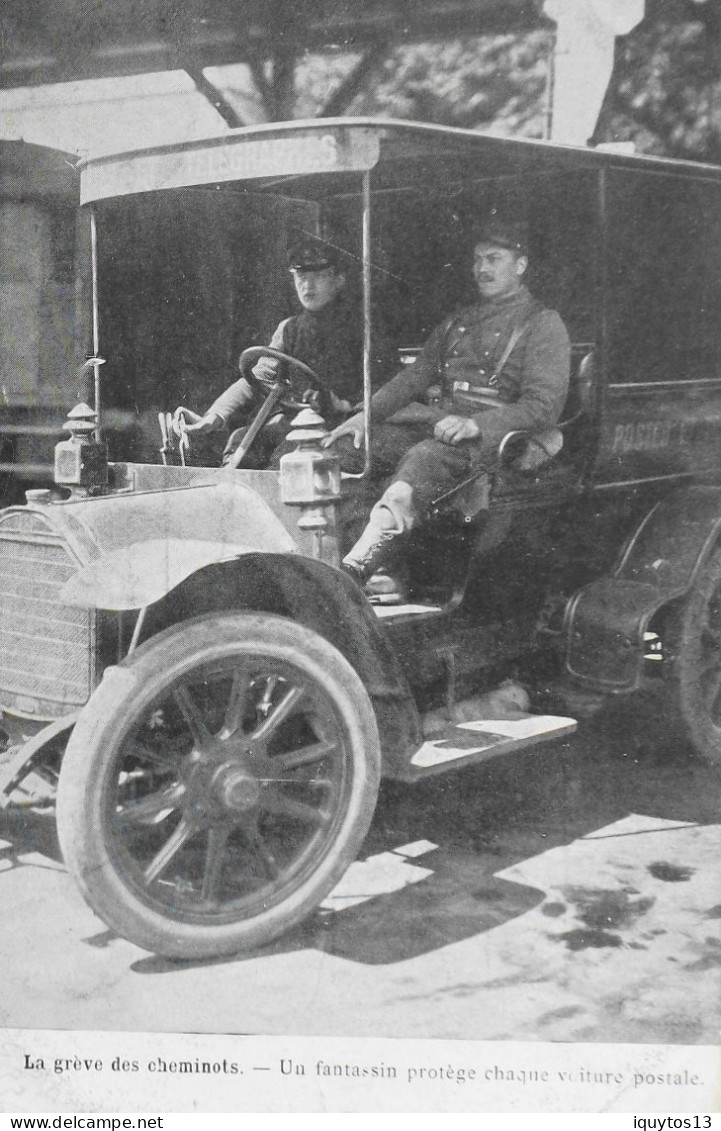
<point x="144" y="572"/>
<point x="134" y="549"/>
<point x="606" y="621"/>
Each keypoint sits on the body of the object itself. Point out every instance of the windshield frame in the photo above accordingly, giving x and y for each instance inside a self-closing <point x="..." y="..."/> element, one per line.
<point x="95" y="360"/>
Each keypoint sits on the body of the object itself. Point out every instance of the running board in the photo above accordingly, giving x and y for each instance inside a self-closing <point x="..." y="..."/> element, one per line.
<point x="390" y="612"/>
<point x="481" y="740"/>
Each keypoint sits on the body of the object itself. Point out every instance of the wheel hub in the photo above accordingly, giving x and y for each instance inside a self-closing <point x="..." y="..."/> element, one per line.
<point x="223" y="784"/>
<point x="236" y="788"/>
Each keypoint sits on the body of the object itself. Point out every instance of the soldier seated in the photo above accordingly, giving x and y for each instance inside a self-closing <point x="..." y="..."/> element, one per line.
<point x="502" y="365"/>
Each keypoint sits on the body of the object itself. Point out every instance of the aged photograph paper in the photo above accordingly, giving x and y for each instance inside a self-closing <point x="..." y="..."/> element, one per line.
<point x="360" y="580"/>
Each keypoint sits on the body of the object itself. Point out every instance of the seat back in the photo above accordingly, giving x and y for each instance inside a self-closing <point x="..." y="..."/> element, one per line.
<point x="580" y="386"/>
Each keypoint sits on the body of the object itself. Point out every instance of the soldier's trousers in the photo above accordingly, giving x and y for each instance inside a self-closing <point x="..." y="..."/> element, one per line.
<point x="409" y="454"/>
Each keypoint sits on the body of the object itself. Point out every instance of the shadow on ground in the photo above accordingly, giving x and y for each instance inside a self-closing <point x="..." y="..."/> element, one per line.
<point x="471" y="825"/>
<point x="485" y="819"/>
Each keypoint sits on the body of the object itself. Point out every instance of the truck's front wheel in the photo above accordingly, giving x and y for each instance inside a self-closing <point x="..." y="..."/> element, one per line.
<point x="218" y="784"/>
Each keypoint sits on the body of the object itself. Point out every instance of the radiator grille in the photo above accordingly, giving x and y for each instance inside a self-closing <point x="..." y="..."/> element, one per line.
<point x="45" y="647"/>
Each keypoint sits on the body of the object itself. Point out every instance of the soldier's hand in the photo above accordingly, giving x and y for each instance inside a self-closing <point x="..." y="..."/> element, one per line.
<point x="354" y="427"/>
<point x="318" y="399"/>
<point x="185" y="421"/>
<point x="338" y="404"/>
<point x="327" y="402"/>
<point x="453" y="429"/>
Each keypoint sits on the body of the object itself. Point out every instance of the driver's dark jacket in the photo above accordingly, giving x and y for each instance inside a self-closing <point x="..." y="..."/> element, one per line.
<point x="461" y="357"/>
<point x="330" y="341"/>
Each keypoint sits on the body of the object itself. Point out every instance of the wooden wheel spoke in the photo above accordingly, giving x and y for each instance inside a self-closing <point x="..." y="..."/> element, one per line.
<point x="274" y="801"/>
<point x="178" y="838"/>
<point x="237" y="704"/>
<point x="305" y="756"/>
<point x="143" y="812"/>
<point x="278" y="715"/>
<point x="261" y="851"/>
<point x="265" y="700"/>
<point x="202" y="737"/>
<point x="214" y="858"/>
<point x="166" y="758"/>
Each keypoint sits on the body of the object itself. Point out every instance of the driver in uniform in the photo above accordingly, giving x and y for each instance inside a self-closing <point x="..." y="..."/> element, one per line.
<point x="327" y="335"/>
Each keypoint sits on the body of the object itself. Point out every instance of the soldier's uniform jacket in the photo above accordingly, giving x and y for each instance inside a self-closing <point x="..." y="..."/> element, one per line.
<point x="462" y="356"/>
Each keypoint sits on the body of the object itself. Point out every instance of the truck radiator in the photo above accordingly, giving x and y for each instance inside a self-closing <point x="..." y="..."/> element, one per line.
<point x="46" y="647"/>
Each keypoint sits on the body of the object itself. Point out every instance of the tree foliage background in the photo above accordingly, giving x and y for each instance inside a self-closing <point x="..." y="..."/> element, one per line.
<point x="665" y="94"/>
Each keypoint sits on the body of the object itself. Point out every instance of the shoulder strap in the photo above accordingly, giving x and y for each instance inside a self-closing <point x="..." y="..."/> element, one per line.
<point x="516" y="334"/>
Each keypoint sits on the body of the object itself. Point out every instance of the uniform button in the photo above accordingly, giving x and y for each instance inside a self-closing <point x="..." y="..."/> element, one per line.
<point x="483" y="372"/>
<point x="462" y="329"/>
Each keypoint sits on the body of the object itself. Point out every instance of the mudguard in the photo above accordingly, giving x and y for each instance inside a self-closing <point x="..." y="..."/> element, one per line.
<point x="133" y="549"/>
<point x="140" y="574"/>
<point x="606" y="621"/>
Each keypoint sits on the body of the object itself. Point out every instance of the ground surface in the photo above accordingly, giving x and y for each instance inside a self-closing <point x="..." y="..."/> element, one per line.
<point x="571" y="894"/>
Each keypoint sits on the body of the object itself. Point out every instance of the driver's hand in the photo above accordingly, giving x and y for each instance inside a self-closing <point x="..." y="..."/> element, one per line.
<point x="266" y="369"/>
<point x="185" y="421"/>
<point x="453" y="429"/>
<point x="354" y="426"/>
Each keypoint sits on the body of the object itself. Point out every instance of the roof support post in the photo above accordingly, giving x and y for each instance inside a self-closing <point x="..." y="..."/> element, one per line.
<point x="583" y="60"/>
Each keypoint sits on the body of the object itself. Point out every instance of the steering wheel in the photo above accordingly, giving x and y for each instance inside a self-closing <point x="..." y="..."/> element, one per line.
<point x="276" y="394"/>
<point x="249" y="357"/>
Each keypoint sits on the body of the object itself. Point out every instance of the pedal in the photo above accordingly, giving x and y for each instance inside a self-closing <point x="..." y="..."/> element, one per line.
<point x="483" y="739"/>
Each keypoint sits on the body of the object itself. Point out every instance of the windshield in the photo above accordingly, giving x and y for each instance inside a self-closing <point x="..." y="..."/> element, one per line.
<point x="188" y="278"/>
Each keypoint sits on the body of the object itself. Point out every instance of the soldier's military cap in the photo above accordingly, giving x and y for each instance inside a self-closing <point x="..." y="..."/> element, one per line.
<point x="498" y="232"/>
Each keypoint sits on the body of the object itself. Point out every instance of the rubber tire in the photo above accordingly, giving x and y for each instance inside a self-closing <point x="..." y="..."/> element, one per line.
<point x="102" y="727"/>
<point x="685" y="708"/>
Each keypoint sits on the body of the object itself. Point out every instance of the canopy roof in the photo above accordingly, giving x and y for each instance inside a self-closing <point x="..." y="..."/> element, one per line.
<point x="398" y="151"/>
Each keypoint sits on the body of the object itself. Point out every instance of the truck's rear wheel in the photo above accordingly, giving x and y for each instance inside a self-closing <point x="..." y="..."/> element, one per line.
<point x="692" y="654"/>
<point x="218" y="784"/>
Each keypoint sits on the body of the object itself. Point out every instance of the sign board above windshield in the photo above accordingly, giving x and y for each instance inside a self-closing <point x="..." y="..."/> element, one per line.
<point x="239" y="157"/>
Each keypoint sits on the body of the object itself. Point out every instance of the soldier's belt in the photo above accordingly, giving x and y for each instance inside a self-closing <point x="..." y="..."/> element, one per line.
<point x="481" y="396"/>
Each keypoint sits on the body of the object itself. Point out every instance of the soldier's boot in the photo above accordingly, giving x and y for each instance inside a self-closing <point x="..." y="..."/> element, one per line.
<point x="370" y="561"/>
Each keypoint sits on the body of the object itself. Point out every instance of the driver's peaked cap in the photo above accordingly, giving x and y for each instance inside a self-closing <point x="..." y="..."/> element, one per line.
<point x="310" y="254"/>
